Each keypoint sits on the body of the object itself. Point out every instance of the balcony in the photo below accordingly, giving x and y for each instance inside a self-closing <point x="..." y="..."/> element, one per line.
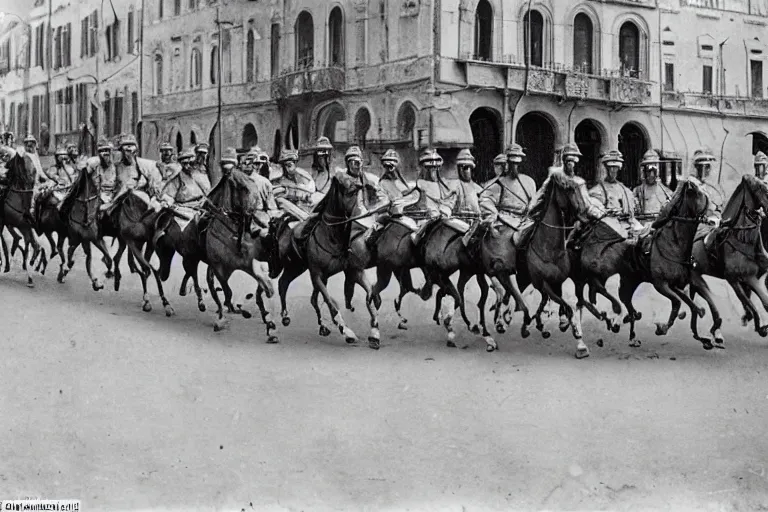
<point x="308" y="81"/>
<point x="610" y="86"/>
<point x="727" y="105"/>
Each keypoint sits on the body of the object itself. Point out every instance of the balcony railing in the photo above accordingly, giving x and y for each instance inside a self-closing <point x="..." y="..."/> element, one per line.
<point x="614" y="86"/>
<point x="734" y="105"/>
<point x="308" y="81"/>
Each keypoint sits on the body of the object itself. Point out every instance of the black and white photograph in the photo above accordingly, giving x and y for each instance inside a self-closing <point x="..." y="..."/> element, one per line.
<point x="383" y="255"/>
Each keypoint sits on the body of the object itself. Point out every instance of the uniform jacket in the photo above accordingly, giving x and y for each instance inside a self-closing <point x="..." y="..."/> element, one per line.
<point x="508" y="196"/>
<point x="614" y="197"/>
<point x="467" y="202"/>
<point x="716" y="197"/>
<point x="650" y="198"/>
<point x="430" y="199"/>
<point x="168" y="170"/>
<point x="298" y="189"/>
<point x="141" y="175"/>
<point x="64" y="176"/>
<point x="185" y="187"/>
<point x="104" y="177"/>
<point x="392" y="186"/>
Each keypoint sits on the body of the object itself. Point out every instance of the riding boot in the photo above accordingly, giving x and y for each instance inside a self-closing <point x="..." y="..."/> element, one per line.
<point x="571" y="242"/>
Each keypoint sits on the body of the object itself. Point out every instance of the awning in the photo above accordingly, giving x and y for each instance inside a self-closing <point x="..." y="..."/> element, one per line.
<point x="450" y="131"/>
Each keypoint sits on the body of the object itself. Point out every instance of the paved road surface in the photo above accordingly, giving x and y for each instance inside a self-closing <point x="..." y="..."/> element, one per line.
<point x="127" y="410"/>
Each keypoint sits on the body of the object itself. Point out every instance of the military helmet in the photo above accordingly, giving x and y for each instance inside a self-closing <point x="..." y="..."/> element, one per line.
<point x="500" y="159"/>
<point x="103" y="144"/>
<point x="255" y="150"/>
<point x="571" y="149"/>
<point x="465" y="158"/>
<point x="650" y="157"/>
<point x="288" y="155"/>
<point x="186" y="154"/>
<point x="761" y="158"/>
<point x="323" y="144"/>
<point x="128" y="139"/>
<point x="612" y="156"/>
<point x="61" y="151"/>
<point x="353" y="153"/>
<point x="390" y="156"/>
<point x="229" y="155"/>
<point x="261" y="157"/>
<point x="165" y="146"/>
<point x="30" y="138"/>
<point x="514" y="152"/>
<point x="203" y="148"/>
<point x="430" y="157"/>
<point x="702" y="156"/>
<point x="71" y="145"/>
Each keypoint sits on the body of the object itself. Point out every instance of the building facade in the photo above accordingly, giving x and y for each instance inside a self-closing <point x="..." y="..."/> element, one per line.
<point x="72" y="71"/>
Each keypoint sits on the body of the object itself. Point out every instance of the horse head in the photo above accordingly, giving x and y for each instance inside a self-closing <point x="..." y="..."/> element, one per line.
<point x="758" y="190"/>
<point x="342" y="196"/>
<point x="692" y="203"/>
<point x="563" y="193"/>
<point x="23" y="169"/>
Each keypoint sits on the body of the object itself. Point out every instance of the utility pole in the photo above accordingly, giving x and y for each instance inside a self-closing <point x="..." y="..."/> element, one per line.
<point x="49" y="98"/>
<point x="220" y="149"/>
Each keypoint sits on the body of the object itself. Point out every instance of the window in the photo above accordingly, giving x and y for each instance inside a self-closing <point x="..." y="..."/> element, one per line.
<point x="336" y="37"/>
<point x="177" y="10"/>
<point x="362" y="39"/>
<point x="93" y="38"/>
<point x="12" y="117"/>
<point x="40" y="46"/>
<point x="706" y="80"/>
<point x="118" y="115"/>
<point x="214" y="64"/>
<point x="362" y="125"/>
<point x="250" y="68"/>
<point x="160" y="5"/>
<point x="483" y="30"/>
<point x="629" y="49"/>
<point x="305" y="41"/>
<point x="158" y="85"/>
<point x="193" y="5"/>
<point x="134" y="111"/>
<point x="130" y="30"/>
<point x="669" y="77"/>
<point x="534" y="25"/>
<point x="195" y="69"/>
<point x="756" y="67"/>
<point x="274" y="50"/>
<point x="582" y="43"/>
<point x="406" y="121"/>
<point x="226" y="56"/>
<point x="107" y="108"/>
<point x="112" y="35"/>
<point x="67" y="45"/>
<point x="56" y="49"/>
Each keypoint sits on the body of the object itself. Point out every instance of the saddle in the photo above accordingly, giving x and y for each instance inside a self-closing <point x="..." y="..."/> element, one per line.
<point x="301" y="232"/>
<point x="424" y="230"/>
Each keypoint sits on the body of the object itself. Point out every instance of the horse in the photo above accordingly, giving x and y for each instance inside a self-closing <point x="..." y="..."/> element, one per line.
<point x="545" y="262"/>
<point x="222" y="240"/>
<point x="80" y="213"/>
<point x="23" y="171"/>
<point x="49" y="223"/>
<point x="325" y="251"/>
<point x="663" y="256"/>
<point x="740" y="257"/>
<point x="131" y="222"/>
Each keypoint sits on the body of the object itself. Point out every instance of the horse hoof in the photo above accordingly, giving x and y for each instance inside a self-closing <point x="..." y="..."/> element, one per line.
<point x="109" y="274"/>
<point x="147" y="307"/>
<point x="661" y="329"/>
<point x="350" y="307"/>
<point x="582" y="353"/>
<point x="763" y="331"/>
<point x="615" y="328"/>
<point x="639" y="316"/>
<point x="60" y="278"/>
<point x="374" y="343"/>
<point x="117" y="284"/>
<point x="563" y="327"/>
<point x="599" y="342"/>
<point x="635" y="343"/>
<point x="324" y="331"/>
<point x="97" y="286"/>
<point x="682" y="315"/>
<point x="500" y="329"/>
<point x="350" y="340"/>
<point x="706" y="344"/>
<point x="271" y="326"/>
<point x="271" y="339"/>
<point x="475" y="329"/>
<point x="450" y="344"/>
<point x="745" y="320"/>
<point x="545" y="334"/>
<point x="525" y="332"/>
<point x="169" y="312"/>
<point x="701" y="312"/>
<point x="30" y="284"/>
<point x="246" y="314"/>
<point x="489" y="348"/>
<point x="286" y="321"/>
<point x="402" y="326"/>
<point x="626" y="319"/>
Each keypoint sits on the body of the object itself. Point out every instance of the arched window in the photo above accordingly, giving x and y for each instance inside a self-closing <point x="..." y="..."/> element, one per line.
<point x="406" y="121"/>
<point x="179" y="143"/>
<point x="336" y="37"/>
<point x="583" y="43"/>
<point x="305" y="41"/>
<point x="534" y="31"/>
<point x="629" y="49"/>
<point x="274" y="50"/>
<point x="196" y="69"/>
<point x="158" y="85"/>
<point x="192" y="138"/>
<point x="362" y="125"/>
<point x="483" y="30"/>
<point x="214" y="64"/>
<point x="249" y="137"/>
<point x="292" y="135"/>
<point x="250" y="52"/>
<point x="332" y="121"/>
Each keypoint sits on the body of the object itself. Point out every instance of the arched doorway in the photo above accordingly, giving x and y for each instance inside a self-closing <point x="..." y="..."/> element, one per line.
<point x="629" y="49"/>
<point x="332" y="122"/>
<point x="633" y="144"/>
<point x="277" y="146"/>
<point x="362" y="125"/>
<point x="179" y="143"/>
<point x="192" y="138"/>
<point x="486" y="137"/>
<point x="536" y="135"/>
<point x="759" y="143"/>
<point x="250" y="138"/>
<point x="587" y="137"/>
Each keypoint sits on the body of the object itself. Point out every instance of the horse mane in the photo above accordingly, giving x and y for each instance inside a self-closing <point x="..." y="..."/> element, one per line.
<point x="673" y="205"/>
<point x="19" y="172"/>
<point x="339" y="180"/>
<point x="556" y="179"/>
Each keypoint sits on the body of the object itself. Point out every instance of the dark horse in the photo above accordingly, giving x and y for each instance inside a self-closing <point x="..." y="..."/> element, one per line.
<point x="222" y="240"/>
<point x="663" y="257"/>
<point x="739" y="257"/>
<point x="544" y="262"/>
<point x="325" y="251"/>
<point x="23" y="171"/>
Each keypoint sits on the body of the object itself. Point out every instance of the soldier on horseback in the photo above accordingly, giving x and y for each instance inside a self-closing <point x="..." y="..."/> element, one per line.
<point x="296" y="186"/>
<point x="103" y="170"/>
<point x="263" y="207"/>
<point x="761" y="166"/>
<point x="702" y="163"/>
<point x="135" y="175"/>
<point x="77" y="161"/>
<point x="392" y="182"/>
<point x="186" y="189"/>
<point x="508" y="196"/>
<point x="371" y="195"/>
<point x="467" y="206"/>
<point x="201" y="158"/>
<point x="228" y="163"/>
<point x="30" y="144"/>
<point x="652" y="194"/>
<point x="63" y="175"/>
<point x="166" y="166"/>
<point x="321" y="165"/>
<point x="617" y="200"/>
<point x="594" y="210"/>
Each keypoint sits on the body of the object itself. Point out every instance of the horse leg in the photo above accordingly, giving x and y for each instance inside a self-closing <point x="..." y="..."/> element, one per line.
<point x="590" y="304"/>
<point x="741" y="293"/>
<point x="105" y="258"/>
<point x="27" y="233"/>
<point x="490" y="343"/>
<point x="5" y="251"/>
<point x="664" y="289"/>
<point x="60" y="251"/>
<point x="94" y="282"/>
<point x="286" y="278"/>
<point x="406" y="286"/>
<point x="464" y="278"/>
<point x="598" y="285"/>
<point x="144" y="271"/>
<point x="374" y="338"/>
<point x="190" y="270"/>
<point x="627" y="288"/>
<point x="448" y="308"/>
<point x="699" y="285"/>
<point x="313" y="299"/>
<point x="16" y="245"/>
<point x="220" y="323"/>
<point x="512" y="289"/>
<point x="556" y="294"/>
<point x="118" y="256"/>
<point x="758" y="286"/>
<point x="319" y="282"/>
<point x="537" y="316"/>
<point x="349" y="290"/>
